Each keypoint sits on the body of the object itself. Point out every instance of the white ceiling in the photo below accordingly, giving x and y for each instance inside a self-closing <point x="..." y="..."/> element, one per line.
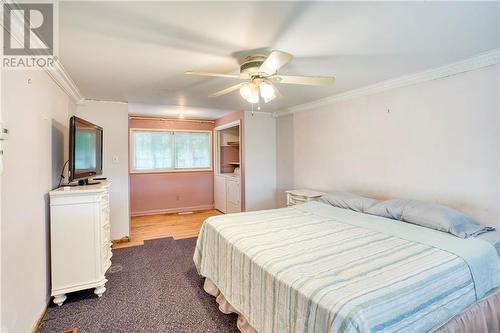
<point x="138" y="51"/>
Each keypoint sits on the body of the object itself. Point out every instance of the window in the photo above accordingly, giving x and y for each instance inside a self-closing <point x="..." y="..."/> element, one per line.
<point x="154" y="150"/>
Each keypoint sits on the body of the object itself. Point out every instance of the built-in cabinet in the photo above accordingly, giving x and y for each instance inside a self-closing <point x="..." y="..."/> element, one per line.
<point x="80" y="243"/>
<point x="233" y="195"/>
<point x="227" y="182"/>
<point x="227" y="193"/>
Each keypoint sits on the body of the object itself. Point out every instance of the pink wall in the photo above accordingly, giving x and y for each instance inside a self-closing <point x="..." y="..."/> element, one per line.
<point x="229" y="118"/>
<point x="229" y="154"/>
<point x="171" y="192"/>
<point x="168" y="192"/>
<point x="234" y="116"/>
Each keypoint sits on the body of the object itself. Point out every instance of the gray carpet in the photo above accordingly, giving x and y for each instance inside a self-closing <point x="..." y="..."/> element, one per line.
<point x="151" y="288"/>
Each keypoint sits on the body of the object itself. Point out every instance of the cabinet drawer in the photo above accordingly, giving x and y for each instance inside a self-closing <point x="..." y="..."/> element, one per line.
<point x="296" y="200"/>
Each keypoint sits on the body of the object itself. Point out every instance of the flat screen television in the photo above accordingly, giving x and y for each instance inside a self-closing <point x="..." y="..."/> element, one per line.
<point x="85" y="150"/>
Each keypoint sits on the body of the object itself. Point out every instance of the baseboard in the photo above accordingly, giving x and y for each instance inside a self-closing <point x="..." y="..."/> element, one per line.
<point x="36" y="326"/>
<point x="171" y="210"/>
<point x="124" y="239"/>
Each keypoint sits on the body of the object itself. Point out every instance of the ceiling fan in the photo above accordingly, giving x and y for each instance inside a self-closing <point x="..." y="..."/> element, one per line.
<point x="260" y="74"/>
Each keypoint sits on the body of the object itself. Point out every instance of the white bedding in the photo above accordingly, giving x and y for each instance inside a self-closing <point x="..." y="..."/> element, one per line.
<point x="316" y="268"/>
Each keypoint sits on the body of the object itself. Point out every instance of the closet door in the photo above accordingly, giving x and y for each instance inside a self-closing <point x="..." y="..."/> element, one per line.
<point x="220" y="193"/>
<point x="233" y="195"/>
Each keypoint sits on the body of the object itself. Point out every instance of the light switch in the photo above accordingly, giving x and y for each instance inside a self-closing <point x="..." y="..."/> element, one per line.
<point x="116" y="160"/>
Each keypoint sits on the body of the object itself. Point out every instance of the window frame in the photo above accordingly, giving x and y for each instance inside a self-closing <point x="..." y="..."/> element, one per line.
<point x="132" y="170"/>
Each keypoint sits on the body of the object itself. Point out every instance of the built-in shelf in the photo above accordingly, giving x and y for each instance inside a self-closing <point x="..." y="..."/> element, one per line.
<point x="227" y="186"/>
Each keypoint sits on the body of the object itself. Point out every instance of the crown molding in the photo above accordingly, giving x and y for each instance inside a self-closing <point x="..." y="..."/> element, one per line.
<point x="58" y="73"/>
<point x="90" y="100"/>
<point x="63" y="80"/>
<point x="482" y="60"/>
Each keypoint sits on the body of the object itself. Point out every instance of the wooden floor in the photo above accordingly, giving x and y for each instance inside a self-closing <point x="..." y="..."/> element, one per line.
<point x="178" y="226"/>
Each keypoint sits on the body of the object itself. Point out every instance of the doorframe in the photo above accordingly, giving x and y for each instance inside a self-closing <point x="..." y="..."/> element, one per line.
<point x="216" y="141"/>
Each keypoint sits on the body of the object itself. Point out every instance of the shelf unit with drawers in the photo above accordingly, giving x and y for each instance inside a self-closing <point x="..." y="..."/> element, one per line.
<point x="227" y="177"/>
<point x="298" y="196"/>
<point x="80" y="239"/>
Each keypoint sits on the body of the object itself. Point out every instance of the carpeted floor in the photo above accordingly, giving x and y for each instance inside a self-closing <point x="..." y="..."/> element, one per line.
<point x="151" y="288"/>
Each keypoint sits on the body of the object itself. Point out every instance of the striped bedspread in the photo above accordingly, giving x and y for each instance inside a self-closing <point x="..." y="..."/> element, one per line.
<point x="297" y="270"/>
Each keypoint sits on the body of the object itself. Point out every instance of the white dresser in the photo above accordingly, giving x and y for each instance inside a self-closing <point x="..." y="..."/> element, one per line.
<point x="80" y="239"/>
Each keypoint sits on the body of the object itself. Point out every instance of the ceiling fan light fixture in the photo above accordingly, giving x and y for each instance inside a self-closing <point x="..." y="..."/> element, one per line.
<point x="254" y="97"/>
<point x="267" y="90"/>
<point x="245" y="90"/>
<point x="259" y="74"/>
<point x="250" y="92"/>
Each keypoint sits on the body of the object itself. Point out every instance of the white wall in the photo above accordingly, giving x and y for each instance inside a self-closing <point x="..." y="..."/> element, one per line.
<point x="37" y="116"/>
<point x="435" y="141"/>
<point x="113" y="118"/>
<point x="1" y="172"/>
<point x="260" y="161"/>
<point x="284" y="158"/>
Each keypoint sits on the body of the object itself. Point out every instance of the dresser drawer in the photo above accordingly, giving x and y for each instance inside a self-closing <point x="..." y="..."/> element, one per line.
<point x="295" y="197"/>
<point x="297" y="200"/>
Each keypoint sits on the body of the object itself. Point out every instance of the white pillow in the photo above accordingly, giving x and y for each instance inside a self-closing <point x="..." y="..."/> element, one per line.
<point x="348" y="200"/>
<point x="429" y="215"/>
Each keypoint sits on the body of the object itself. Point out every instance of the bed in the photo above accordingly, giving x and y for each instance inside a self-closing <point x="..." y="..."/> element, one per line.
<point x="318" y="268"/>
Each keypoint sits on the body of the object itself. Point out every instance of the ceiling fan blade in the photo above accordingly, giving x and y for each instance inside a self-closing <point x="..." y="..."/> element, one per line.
<point x="229" y="76"/>
<point x="275" y="61"/>
<point x="306" y="80"/>
<point x="226" y="91"/>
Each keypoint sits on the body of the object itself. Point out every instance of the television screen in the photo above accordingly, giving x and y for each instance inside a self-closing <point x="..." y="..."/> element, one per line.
<point x="85" y="157"/>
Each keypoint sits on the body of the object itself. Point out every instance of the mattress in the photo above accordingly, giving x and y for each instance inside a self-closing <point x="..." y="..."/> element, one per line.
<point x="317" y="268"/>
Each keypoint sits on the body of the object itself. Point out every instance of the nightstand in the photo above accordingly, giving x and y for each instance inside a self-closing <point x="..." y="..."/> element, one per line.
<point x="295" y="197"/>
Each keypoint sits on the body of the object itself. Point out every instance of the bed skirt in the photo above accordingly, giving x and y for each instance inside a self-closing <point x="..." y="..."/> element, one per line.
<point x="480" y="317"/>
<point x="227" y="308"/>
